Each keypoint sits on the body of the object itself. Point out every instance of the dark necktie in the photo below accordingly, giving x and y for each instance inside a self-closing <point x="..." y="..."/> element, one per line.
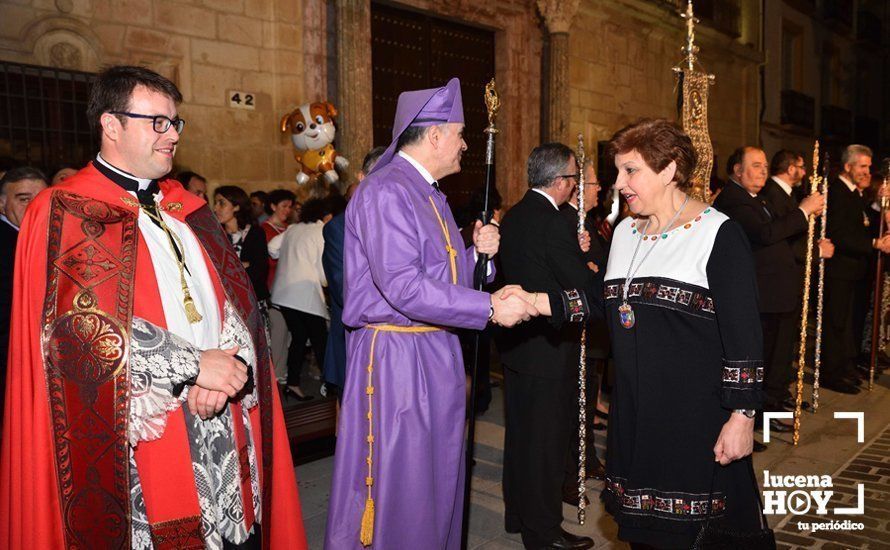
<point x="435" y="185"/>
<point x="766" y="210"/>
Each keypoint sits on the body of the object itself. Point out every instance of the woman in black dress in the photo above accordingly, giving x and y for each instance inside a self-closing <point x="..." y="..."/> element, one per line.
<point x="681" y="308"/>
<point x="232" y="208"/>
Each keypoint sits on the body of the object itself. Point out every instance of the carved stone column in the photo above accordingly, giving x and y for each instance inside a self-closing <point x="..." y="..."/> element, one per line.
<point x="558" y="15"/>
<point x="355" y="132"/>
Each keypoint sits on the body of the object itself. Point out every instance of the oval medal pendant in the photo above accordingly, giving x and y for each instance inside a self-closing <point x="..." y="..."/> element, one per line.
<point x="626" y="315"/>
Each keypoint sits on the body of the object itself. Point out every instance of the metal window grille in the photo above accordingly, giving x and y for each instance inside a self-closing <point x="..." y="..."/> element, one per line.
<point x="43" y="119"/>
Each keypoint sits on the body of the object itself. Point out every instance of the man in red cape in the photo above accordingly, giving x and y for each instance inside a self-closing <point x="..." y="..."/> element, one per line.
<point x="140" y="406"/>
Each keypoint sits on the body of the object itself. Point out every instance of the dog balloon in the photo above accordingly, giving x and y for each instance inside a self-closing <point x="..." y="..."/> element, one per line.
<point x="312" y="135"/>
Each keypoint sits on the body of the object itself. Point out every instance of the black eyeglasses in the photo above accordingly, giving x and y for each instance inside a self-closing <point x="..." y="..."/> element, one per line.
<point x="568" y="176"/>
<point x="159" y="123"/>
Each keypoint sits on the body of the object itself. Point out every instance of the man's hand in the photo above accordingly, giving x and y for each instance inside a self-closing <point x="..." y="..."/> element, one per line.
<point x="826" y="248"/>
<point x="220" y="371"/>
<point x="205" y="403"/>
<point x="510" y="309"/>
<point x="883" y="244"/>
<point x="736" y="439"/>
<point x="813" y="204"/>
<point x="486" y="238"/>
<point x="584" y="241"/>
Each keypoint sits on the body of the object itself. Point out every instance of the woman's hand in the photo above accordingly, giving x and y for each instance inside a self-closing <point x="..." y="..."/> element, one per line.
<point x="539" y="300"/>
<point x="736" y="439"/>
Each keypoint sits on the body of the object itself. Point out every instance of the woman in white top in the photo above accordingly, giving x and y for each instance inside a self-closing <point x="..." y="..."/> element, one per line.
<point x="297" y="288"/>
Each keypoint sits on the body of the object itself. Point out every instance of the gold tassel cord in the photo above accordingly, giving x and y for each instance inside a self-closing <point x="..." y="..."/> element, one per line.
<point x="366" y="533"/>
<point x="191" y="312"/>
<point x="808" y="271"/>
<point x="452" y="253"/>
<point x="366" y="537"/>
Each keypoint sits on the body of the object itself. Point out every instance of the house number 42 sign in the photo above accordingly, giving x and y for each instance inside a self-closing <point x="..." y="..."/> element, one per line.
<point x="241" y="100"/>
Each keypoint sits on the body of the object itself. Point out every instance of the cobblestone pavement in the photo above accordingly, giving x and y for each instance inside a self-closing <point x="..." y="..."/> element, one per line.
<point x="870" y="467"/>
<point x="828" y="446"/>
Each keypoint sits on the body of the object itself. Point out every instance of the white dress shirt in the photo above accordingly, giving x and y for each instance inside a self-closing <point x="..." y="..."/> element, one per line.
<point x="546" y="196"/>
<point x="205" y="333"/>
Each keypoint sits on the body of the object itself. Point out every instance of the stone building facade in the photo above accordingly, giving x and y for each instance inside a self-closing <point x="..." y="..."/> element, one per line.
<point x="562" y="66"/>
<point x="207" y="47"/>
<point x="826" y="76"/>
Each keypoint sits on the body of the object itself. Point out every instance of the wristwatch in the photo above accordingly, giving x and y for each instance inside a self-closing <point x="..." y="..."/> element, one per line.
<point x="491" y="312"/>
<point x="750" y="413"/>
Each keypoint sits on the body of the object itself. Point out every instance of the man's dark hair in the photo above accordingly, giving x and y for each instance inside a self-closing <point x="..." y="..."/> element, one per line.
<point x="315" y="210"/>
<point x="336" y="203"/>
<point x="22" y="173"/>
<point x="279" y="195"/>
<point x="782" y="161"/>
<point x="113" y="87"/>
<point x="185" y="177"/>
<point x="239" y="198"/>
<point x="546" y="163"/>
<point x="262" y="195"/>
<point x="735" y="158"/>
<point x="411" y="136"/>
<point x="371" y="158"/>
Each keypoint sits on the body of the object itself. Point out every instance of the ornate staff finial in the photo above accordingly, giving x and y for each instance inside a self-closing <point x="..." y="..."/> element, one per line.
<point x="492" y="104"/>
<point x="693" y="89"/>
<point x="690" y="49"/>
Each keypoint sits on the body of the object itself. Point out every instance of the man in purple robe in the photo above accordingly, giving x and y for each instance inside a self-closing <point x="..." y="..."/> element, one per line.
<point x="398" y="468"/>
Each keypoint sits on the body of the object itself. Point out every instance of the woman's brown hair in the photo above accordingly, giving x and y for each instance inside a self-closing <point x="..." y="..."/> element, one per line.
<point x="659" y="142"/>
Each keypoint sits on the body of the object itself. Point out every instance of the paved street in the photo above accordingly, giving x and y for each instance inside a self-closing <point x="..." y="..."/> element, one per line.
<point x="828" y="446"/>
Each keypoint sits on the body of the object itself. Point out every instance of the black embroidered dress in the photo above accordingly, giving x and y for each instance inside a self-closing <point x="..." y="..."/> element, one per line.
<point x="693" y="355"/>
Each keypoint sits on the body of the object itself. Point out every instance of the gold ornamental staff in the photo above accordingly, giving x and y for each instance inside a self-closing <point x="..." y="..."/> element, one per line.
<point x="582" y="364"/>
<point x="808" y="271"/>
<point x="694" y="83"/>
<point x="820" y="290"/>
<point x="877" y="312"/>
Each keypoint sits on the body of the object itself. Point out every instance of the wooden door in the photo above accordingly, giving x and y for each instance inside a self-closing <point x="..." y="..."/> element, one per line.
<point x="412" y="51"/>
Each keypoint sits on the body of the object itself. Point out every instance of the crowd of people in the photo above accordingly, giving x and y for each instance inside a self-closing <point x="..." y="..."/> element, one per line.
<point x="181" y="320"/>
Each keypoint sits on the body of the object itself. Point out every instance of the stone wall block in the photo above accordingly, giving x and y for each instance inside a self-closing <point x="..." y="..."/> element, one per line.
<point x="211" y="84"/>
<point x="225" y="55"/>
<point x="228" y="6"/>
<point x="131" y="12"/>
<point x="240" y="29"/>
<point x="185" y="19"/>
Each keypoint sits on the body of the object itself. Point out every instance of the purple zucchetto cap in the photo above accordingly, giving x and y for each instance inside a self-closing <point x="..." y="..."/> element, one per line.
<point x="424" y="108"/>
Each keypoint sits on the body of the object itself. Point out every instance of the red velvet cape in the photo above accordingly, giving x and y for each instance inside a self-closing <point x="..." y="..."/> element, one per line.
<point x="81" y="271"/>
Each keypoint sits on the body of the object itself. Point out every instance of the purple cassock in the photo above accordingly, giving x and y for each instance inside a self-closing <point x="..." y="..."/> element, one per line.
<point x="398" y="274"/>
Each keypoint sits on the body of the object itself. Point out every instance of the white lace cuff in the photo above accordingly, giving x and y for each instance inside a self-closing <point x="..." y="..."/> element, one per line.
<point x="159" y="360"/>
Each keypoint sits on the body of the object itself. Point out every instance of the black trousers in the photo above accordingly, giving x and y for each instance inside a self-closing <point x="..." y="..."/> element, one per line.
<point x="840" y="350"/>
<point x="301" y="326"/>
<point x="780" y="331"/>
<point x="538" y="430"/>
<point x="862" y="302"/>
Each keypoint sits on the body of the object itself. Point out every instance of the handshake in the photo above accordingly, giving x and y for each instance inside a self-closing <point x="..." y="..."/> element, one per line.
<point x="512" y="305"/>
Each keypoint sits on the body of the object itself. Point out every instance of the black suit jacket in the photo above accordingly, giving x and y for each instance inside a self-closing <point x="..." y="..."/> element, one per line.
<point x="780" y="204"/>
<point x="847" y="230"/>
<point x="599" y="251"/>
<point x="777" y="270"/>
<point x="540" y="252"/>
<point x="8" y="238"/>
